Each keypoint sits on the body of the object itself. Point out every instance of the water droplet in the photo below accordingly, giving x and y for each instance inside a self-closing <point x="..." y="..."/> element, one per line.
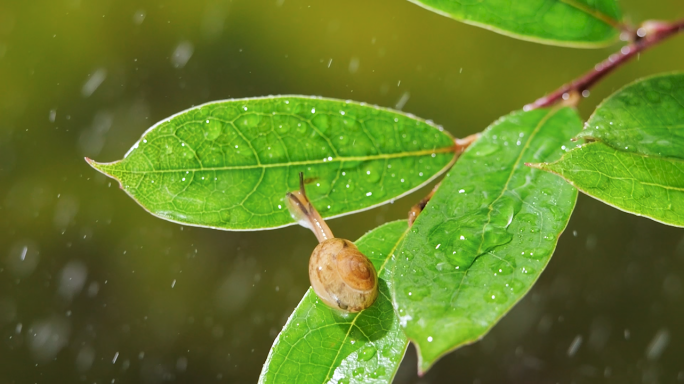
<point x="664" y="84"/>
<point x="503" y="211"/>
<point x="463" y="239"/>
<point x="371" y="171"/>
<point x="466" y="189"/>
<point x="302" y="128"/>
<point x="496" y="295"/>
<point x="380" y="372"/>
<point x="485" y="149"/>
<point x="367" y="353"/>
<point x="417" y="293"/>
<point x="630" y="99"/>
<point x="652" y="96"/>
<point x="503" y="267"/>
<point x="283" y="128"/>
<point x="443" y="265"/>
<point x="515" y="286"/>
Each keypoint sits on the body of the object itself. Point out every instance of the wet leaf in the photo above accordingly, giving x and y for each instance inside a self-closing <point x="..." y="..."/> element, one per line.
<point x="574" y="23"/>
<point x="645" y="186"/>
<point x="228" y="164"/>
<point x="645" y="117"/>
<point x="486" y="235"/>
<point x="637" y="163"/>
<point x="320" y="345"/>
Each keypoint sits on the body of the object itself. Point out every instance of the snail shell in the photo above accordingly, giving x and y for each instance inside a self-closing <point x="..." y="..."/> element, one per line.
<point x="342" y="277"/>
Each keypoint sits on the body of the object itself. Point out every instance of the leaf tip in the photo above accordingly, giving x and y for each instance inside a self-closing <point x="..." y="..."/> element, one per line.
<point x="423" y="366"/>
<point x="424" y="363"/>
<point x="535" y="165"/>
<point x="92" y="162"/>
<point x="100" y="167"/>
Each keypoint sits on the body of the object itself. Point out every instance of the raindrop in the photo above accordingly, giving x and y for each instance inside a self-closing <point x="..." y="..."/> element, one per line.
<point x="85" y="358"/>
<point x="72" y="279"/>
<point x="367" y="353"/>
<point x="485" y="149"/>
<point x="139" y="16"/>
<point x="354" y="65"/>
<point x="574" y="346"/>
<point x="23" y="258"/>
<point x="379" y="372"/>
<point x="658" y="344"/>
<point x="402" y="101"/>
<point x="182" y="54"/>
<point x="94" y="82"/>
<point x="48" y="337"/>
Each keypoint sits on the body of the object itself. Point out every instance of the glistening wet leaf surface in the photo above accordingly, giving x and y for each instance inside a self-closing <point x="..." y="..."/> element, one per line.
<point x="645" y="117"/>
<point x="637" y="161"/>
<point x="105" y="291"/>
<point x="491" y="229"/>
<point x="578" y="23"/>
<point x="650" y="187"/>
<point x="319" y="344"/>
<point x="228" y="165"/>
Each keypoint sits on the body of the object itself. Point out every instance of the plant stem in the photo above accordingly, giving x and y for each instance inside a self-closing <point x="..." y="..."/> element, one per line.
<point x="649" y="34"/>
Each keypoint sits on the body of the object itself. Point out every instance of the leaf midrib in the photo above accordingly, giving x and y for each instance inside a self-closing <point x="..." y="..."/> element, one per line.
<point x="105" y="166"/>
<point x="504" y="189"/>
<point x="633" y="178"/>
<point x="593" y="13"/>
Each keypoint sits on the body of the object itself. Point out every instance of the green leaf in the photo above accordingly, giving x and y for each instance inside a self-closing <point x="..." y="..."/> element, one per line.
<point x="228" y="164"/>
<point x="486" y="235"/>
<point x="637" y="161"/>
<point x="645" y="117"/>
<point x="645" y="186"/>
<point x="572" y="23"/>
<point x="319" y="344"/>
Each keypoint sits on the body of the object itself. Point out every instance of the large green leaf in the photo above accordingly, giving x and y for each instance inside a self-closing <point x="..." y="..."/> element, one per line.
<point x="228" y="164"/>
<point x="574" y="23"/>
<point x="645" y="117"/>
<point x="486" y="235"/>
<point x="638" y="184"/>
<point x="320" y="345"/>
<point x="637" y="163"/>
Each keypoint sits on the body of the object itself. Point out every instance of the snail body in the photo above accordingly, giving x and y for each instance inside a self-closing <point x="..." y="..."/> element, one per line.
<point x="342" y="276"/>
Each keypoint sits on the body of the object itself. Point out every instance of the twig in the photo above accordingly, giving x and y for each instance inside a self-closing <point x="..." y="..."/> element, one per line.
<point x="649" y="34"/>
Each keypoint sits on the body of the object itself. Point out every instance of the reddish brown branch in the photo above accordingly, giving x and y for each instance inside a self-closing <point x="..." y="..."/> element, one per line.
<point x="649" y="34"/>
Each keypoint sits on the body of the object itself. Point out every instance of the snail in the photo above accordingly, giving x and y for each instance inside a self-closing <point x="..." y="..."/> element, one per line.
<point x="342" y="276"/>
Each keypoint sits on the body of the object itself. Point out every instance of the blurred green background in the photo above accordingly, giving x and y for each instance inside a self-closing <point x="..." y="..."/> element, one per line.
<point x="93" y="289"/>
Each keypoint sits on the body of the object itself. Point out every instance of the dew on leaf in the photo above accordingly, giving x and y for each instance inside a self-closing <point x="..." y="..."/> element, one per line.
<point x="367" y="353"/>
